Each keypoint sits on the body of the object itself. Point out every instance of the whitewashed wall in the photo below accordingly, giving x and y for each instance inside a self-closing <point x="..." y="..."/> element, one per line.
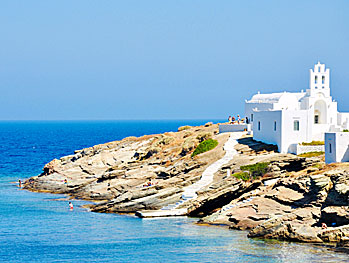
<point x="249" y="109"/>
<point x="336" y="147"/>
<point x="290" y="138"/>
<point x="234" y="127"/>
<point x="266" y="133"/>
<point x="310" y="148"/>
<point x="343" y="119"/>
<point x="285" y="137"/>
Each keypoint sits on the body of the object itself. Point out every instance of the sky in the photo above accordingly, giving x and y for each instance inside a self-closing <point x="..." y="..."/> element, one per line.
<point x="183" y="59"/>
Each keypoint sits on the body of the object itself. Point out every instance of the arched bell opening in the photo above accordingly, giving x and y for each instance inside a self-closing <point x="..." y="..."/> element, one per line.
<point x="320" y="112"/>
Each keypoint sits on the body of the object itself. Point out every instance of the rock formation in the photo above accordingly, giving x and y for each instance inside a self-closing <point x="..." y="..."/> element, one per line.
<point x="290" y="199"/>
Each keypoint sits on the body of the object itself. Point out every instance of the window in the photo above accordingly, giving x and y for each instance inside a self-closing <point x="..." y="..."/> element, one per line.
<point x="296" y="125"/>
<point x="319" y="68"/>
<point x="274" y="125"/>
<point x="323" y="79"/>
<point x="252" y="117"/>
<point x="315" y="79"/>
<point x="330" y="148"/>
<point x="259" y="125"/>
<point x="316" y="119"/>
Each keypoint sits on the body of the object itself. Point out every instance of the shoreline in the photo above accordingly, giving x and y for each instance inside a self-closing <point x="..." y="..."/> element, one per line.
<point x="330" y="246"/>
<point x="165" y="159"/>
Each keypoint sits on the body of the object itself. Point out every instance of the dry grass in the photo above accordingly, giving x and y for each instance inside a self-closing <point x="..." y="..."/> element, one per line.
<point x="313" y="143"/>
<point x="182" y="128"/>
<point x="311" y="154"/>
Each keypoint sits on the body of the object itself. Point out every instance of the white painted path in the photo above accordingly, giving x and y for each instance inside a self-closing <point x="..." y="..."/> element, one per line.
<point x="207" y="176"/>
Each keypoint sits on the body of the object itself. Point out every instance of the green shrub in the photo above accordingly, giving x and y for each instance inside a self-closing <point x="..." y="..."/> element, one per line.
<point x="242" y="175"/>
<point x="313" y="143"/>
<point x="310" y="154"/>
<point x="256" y="170"/>
<point x="205" y="146"/>
<point x="345" y="130"/>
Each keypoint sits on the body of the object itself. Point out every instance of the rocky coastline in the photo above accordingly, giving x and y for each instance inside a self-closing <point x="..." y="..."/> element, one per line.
<point x="291" y="198"/>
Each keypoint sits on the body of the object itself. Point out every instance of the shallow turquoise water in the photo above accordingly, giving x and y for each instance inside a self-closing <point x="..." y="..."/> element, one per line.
<point x="36" y="227"/>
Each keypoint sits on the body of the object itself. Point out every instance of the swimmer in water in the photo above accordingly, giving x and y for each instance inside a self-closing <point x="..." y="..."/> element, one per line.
<point x="19" y="183"/>
<point x="71" y="206"/>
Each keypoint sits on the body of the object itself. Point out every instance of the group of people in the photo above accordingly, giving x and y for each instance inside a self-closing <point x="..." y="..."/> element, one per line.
<point x="238" y="120"/>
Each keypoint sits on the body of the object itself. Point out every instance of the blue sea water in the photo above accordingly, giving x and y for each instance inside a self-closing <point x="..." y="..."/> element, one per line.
<point x="36" y="227"/>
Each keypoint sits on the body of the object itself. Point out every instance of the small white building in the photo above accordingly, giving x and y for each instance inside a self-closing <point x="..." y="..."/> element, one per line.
<point x="287" y="118"/>
<point x="336" y="147"/>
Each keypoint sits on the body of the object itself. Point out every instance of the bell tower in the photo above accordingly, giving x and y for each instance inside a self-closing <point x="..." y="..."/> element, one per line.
<point x="320" y="80"/>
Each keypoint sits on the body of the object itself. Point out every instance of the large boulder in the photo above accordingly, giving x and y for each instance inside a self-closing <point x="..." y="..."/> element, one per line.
<point x="335" y="234"/>
<point x="295" y="226"/>
<point x="189" y="144"/>
<point x="339" y="194"/>
<point x="285" y="195"/>
<point x="303" y="233"/>
<point x="343" y="246"/>
<point x="50" y="167"/>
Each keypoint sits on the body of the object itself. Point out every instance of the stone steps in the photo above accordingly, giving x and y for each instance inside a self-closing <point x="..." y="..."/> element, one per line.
<point x="189" y="192"/>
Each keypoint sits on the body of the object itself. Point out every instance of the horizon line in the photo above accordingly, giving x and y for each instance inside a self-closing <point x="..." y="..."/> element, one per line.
<point x="160" y="119"/>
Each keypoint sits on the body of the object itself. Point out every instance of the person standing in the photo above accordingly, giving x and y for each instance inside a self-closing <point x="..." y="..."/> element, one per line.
<point x="71" y="206"/>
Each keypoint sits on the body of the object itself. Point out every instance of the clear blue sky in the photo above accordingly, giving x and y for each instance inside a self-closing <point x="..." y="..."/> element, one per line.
<point x="163" y="59"/>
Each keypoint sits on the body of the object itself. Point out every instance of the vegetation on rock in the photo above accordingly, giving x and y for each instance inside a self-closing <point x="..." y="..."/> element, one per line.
<point x="182" y="128"/>
<point x="205" y="146"/>
<point x="313" y="143"/>
<point x="255" y="170"/>
<point x="164" y="140"/>
<point x="188" y="145"/>
<point x="203" y="136"/>
<point x="310" y="154"/>
<point x="150" y="152"/>
<point x="187" y="134"/>
<point x="245" y="176"/>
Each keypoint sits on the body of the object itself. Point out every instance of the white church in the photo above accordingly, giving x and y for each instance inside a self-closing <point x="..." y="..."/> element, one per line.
<point x="289" y="118"/>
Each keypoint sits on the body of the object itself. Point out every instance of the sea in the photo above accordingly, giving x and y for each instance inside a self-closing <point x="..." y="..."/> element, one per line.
<point x="38" y="227"/>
